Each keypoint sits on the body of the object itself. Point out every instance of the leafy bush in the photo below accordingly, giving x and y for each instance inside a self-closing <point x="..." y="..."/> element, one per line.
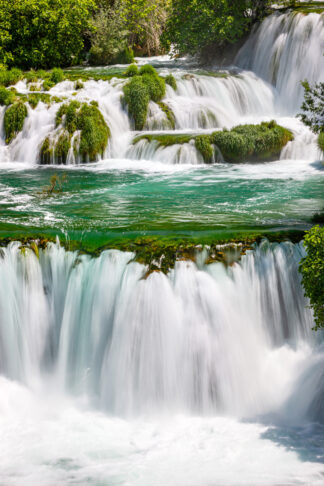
<point x="8" y="78"/>
<point x="155" y="87"/>
<point x="313" y="106"/>
<point x="312" y="270"/>
<point x="137" y="98"/>
<point x="148" y="69"/>
<point x="94" y="133"/>
<point x="14" y="120"/>
<point x="7" y="97"/>
<point x="126" y="56"/>
<point x="57" y="75"/>
<point x="131" y="71"/>
<point x="171" y="81"/>
<point x="203" y="145"/>
<point x="43" y="33"/>
<point x="47" y="84"/>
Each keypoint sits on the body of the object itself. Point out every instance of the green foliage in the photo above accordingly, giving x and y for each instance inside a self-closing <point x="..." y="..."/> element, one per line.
<point x="14" y="120"/>
<point x="148" y="69"/>
<point x="140" y="90"/>
<point x="109" y="37"/>
<point x="126" y="56"/>
<point x="320" y="141"/>
<point x="195" y="25"/>
<point x="47" y="84"/>
<point x="313" y="107"/>
<point x="169" y="114"/>
<point x="252" y="143"/>
<point x="43" y="33"/>
<point x="94" y="133"/>
<point x="57" y="75"/>
<point x="312" y="270"/>
<point x="131" y="71"/>
<point x="7" y="97"/>
<point x="10" y="77"/>
<point x="155" y="86"/>
<point x="137" y="98"/>
<point x="203" y="145"/>
<point x="171" y="81"/>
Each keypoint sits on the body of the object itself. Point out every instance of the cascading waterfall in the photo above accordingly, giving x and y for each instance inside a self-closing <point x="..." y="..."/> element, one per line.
<point x="285" y="50"/>
<point x="205" y="339"/>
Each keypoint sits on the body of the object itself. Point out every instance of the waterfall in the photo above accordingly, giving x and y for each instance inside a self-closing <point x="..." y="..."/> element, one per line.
<point x="285" y="50"/>
<point x="204" y="338"/>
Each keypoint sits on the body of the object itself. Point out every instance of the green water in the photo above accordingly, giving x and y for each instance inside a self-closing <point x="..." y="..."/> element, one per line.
<point x="101" y="204"/>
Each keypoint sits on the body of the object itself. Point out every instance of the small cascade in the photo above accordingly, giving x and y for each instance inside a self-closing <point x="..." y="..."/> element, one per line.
<point x="94" y="326"/>
<point x="285" y="50"/>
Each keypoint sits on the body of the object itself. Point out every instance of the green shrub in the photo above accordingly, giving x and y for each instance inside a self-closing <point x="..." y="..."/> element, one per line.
<point x="148" y="69"/>
<point x="94" y="132"/>
<point x="137" y="98"/>
<point x="171" y="81"/>
<point x="62" y="147"/>
<point x="57" y="75"/>
<point x="155" y="86"/>
<point x="320" y="141"/>
<point x="131" y="71"/>
<point x="169" y="114"/>
<point x="233" y="146"/>
<point x="31" y="76"/>
<point x="203" y="145"/>
<point x="48" y="84"/>
<point x="14" y="120"/>
<point x="7" y="97"/>
<point x="312" y="270"/>
<point x="126" y="56"/>
<point x="78" y="84"/>
<point x="11" y="77"/>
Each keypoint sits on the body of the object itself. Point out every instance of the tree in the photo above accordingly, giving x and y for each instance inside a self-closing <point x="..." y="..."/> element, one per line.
<point x="194" y="25"/>
<point x="43" y="33"/>
<point x="312" y="270"/>
<point x="313" y="106"/>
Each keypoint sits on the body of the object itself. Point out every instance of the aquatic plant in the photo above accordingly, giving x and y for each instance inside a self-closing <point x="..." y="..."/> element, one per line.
<point x="171" y="81"/>
<point x="14" y="120"/>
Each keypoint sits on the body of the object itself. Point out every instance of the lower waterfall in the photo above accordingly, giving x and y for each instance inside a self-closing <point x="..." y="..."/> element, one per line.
<point x="203" y="339"/>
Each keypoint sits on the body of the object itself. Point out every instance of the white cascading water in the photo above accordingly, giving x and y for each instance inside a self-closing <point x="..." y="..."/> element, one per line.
<point x="203" y="339"/>
<point x="284" y="50"/>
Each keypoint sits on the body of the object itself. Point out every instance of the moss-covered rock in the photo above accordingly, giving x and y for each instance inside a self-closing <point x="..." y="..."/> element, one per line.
<point x="70" y="118"/>
<point x="138" y="92"/>
<point x="245" y="143"/>
<point x="14" y="120"/>
<point x="57" y="75"/>
<point x="169" y="114"/>
<point x="171" y="81"/>
<point x="137" y="98"/>
<point x="10" y="77"/>
<point x="131" y="71"/>
<point x="7" y="97"/>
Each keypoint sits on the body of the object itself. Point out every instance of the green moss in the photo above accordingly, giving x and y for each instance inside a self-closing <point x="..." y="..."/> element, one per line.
<point x="140" y="90"/>
<point x="57" y="75"/>
<point x="7" y="97"/>
<point x="62" y="147"/>
<point x="320" y="141"/>
<point x="171" y="81"/>
<point x="131" y="71"/>
<point x="169" y="114"/>
<point x="94" y="133"/>
<point x="253" y="143"/>
<point x="48" y="84"/>
<point x="34" y="98"/>
<point x="203" y="145"/>
<point x="148" y="69"/>
<point x="137" y="98"/>
<point x="78" y="85"/>
<point x="8" y="78"/>
<point x="14" y="120"/>
<point x="46" y="152"/>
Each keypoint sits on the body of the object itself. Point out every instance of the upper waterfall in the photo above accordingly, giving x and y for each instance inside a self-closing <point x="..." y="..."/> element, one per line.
<point x="285" y="50"/>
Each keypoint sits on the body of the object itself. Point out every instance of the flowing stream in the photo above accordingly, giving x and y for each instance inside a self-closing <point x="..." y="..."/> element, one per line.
<point x="207" y="375"/>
